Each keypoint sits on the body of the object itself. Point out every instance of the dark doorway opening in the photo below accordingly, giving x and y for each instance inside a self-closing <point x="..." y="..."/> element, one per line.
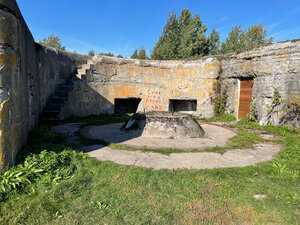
<point x="126" y="105"/>
<point x="176" y="105"/>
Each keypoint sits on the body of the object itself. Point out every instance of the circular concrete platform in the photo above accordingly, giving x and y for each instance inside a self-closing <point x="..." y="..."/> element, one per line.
<point x="163" y="125"/>
<point x="215" y="136"/>
<point x="111" y="133"/>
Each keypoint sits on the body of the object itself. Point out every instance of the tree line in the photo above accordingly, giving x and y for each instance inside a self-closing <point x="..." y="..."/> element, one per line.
<point x="184" y="37"/>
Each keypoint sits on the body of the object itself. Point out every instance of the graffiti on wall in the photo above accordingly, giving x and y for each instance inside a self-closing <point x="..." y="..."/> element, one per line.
<point x="182" y="85"/>
<point x="153" y="101"/>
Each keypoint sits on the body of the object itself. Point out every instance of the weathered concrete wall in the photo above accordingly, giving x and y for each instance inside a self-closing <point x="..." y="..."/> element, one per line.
<point x="276" y="66"/>
<point x="155" y="82"/>
<point x="29" y="74"/>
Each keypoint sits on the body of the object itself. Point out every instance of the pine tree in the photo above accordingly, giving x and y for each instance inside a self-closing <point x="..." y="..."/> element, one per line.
<point x="214" y="42"/>
<point x="107" y="54"/>
<point x="135" y="54"/>
<point x="193" y="42"/>
<point x="235" y="41"/>
<point x="187" y="34"/>
<point x="182" y="38"/>
<point x="239" y="40"/>
<point x="142" y="53"/>
<point x="201" y="45"/>
<point x="256" y="36"/>
<point x="167" y="45"/>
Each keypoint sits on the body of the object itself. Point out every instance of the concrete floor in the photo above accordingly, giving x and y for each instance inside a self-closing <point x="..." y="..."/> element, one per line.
<point x="215" y="136"/>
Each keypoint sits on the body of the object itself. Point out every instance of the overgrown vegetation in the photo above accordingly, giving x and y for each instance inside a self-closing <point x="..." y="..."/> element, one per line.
<point x="219" y="99"/>
<point x="253" y="115"/>
<point x="44" y="161"/>
<point x="293" y="104"/>
<point x="224" y="118"/>
<point x="276" y="98"/>
<point x="286" y="110"/>
<point x="53" y="41"/>
<point x="106" y="193"/>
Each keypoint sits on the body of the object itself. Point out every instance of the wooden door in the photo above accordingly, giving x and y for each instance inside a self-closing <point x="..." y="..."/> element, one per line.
<point x="245" y="97"/>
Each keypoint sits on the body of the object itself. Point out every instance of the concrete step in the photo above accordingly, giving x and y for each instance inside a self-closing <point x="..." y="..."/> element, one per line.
<point x="64" y="96"/>
<point x="81" y="69"/>
<point x="51" y="114"/>
<point x="53" y="106"/>
<point x="64" y="87"/>
<point x="57" y="100"/>
<point x="56" y="96"/>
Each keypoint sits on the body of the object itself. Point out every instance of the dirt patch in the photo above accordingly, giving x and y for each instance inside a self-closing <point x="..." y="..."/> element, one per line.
<point x="198" y="212"/>
<point x="210" y="187"/>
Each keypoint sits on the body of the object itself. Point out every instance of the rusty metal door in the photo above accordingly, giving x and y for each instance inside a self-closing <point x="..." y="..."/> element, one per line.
<point x="245" y="97"/>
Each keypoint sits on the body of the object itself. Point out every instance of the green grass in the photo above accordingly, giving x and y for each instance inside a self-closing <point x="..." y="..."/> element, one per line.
<point x="225" y="118"/>
<point x="165" y="151"/>
<point x="243" y="140"/>
<point x="107" y="193"/>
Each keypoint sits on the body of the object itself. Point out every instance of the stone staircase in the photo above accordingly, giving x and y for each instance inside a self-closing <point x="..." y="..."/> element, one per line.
<point x="57" y="100"/>
<point x="85" y="70"/>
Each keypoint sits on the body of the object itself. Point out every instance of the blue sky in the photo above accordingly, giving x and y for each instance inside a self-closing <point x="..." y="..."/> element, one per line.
<point x="120" y="26"/>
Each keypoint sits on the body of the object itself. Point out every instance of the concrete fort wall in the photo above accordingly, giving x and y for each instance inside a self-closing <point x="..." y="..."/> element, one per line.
<point x="155" y="83"/>
<point x="273" y="67"/>
<point x="29" y="74"/>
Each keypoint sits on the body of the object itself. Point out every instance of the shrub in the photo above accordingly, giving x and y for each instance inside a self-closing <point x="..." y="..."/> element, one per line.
<point x="220" y="100"/>
<point x="252" y="116"/>
<point x="276" y="98"/>
<point x="44" y="160"/>
<point x="46" y="168"/>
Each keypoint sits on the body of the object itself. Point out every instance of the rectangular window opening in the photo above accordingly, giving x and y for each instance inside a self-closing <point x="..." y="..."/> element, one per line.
<point x="178" y="105"/>
<point x="126" y="105"/>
